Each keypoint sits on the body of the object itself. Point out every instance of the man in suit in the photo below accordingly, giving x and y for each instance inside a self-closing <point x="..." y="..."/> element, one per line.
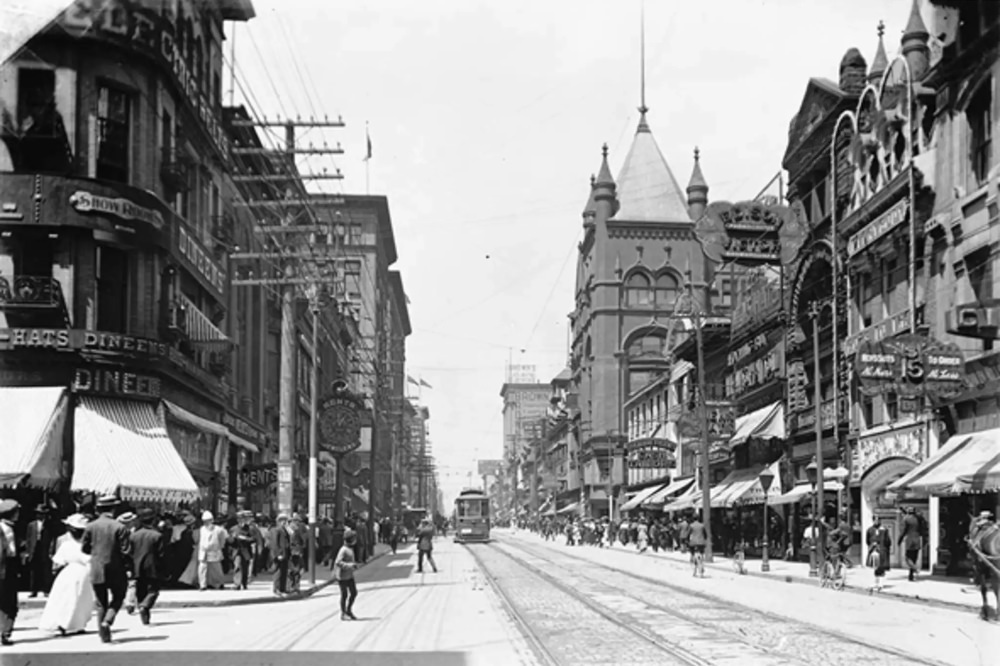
<point x="242" y="537"/>
<point x="107" y="542"/>
<point x="147" y="562"/>
<point x="39" y="547"/>
<point x="9" y="565"/>
<point x="280" y="546"/>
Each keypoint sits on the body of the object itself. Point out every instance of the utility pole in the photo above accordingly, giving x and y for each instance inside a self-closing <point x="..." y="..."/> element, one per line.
<point x="307" y="267"/>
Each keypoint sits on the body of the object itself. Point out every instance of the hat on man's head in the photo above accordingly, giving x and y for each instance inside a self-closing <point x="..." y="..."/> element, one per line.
<point x="282" y="516"/>
<point x="107" y="502"/>
<point x="207" y="515"/>
<point x="350" y="537"/>
<point x="41" y="508"/>
<point x="77" y="521"/>
<point x="8" y="506"/>
<point x="146" y="515"/>
<point x="126" y="517"/>
<point x="189" y="519"/>
<point x="985" y="515"/>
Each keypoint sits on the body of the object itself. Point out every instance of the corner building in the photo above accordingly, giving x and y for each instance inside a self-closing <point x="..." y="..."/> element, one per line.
<point x="114" y="286"/>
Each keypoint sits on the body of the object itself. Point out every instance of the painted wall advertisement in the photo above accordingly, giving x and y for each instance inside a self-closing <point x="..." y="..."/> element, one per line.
<point x="911" y="366"/>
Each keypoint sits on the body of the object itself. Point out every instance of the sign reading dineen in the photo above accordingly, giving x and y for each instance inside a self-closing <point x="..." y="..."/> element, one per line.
<point x="87" y="202"/>
<point x="116" y="382"/>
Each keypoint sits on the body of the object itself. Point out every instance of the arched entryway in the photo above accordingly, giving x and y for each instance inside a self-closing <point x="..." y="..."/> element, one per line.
<point x="877" y="500"/>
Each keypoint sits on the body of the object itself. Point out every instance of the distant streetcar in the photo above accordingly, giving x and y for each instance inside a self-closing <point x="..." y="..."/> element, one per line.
<point x="472" y="516"/>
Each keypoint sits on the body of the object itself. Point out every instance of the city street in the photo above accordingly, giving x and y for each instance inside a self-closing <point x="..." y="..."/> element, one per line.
<point x="559" y="605"/>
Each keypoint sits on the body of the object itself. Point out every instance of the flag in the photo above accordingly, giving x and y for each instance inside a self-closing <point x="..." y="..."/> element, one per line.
<point x="411" y="380"/>
<point x="423" y="383"/>
<point x="368" y="142"/>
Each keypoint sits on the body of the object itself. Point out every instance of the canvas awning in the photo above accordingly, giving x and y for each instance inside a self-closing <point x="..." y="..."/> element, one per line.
<point x="664" y="493"/>
<point x="200" y="329"/>
<point x="764" y="423"/>
<point x="680" y="369"/>
<point x="569" y="508"/>
<point x="122" y="446"/>
<point x="641" y="496"/>
<point x="686" y="500"/>
<point x="801" y="492"/>
<point x="205" y="425"/>
<point x="32" y="419"/>
<point x="967" y="463"/>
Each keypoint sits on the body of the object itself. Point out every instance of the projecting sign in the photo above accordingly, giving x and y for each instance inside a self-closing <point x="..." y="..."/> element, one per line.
<point x="340" y="422"/>
<point x="910" y="366"/>
<point x="751" y="232"/>
<point x="882" y="225"/>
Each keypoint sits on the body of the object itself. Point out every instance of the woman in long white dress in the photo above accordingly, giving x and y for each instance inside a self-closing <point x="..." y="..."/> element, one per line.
<point x="71" y="601"/>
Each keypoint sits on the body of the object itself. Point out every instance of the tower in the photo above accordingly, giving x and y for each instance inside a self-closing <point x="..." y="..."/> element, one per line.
<point x="697" y="189"/>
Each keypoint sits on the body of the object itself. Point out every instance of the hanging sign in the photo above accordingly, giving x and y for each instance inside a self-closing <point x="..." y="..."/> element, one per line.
<point x="910" y="366"/>
<point x="340" y="422"/>
<point x="751" y="232"/>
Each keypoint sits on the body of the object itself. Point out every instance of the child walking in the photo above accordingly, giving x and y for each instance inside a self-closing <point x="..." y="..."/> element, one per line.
<point x="344" y="566"/>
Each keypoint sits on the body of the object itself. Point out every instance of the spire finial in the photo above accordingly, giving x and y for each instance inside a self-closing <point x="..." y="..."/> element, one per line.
<point x="642" y="59"/>
<point x="604" y="150"/>
<point x="697" y="153"/>
<point x="881" y="28"/>
<point x="593" y="179"/>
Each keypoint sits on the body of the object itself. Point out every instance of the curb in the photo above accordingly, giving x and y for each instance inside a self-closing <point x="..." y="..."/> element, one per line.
<point x="806" y="580"/>
<point x="235" y="601"/>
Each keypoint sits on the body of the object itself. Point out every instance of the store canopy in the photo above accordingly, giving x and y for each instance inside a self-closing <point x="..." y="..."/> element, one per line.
<point x="686" y="500"/>
<point x="569" y="508"/>
<point x="205" y="425"/>
<point x="801" y="492"/>
<point x="664" y="493"/>
<point x="122" y="446"/>
<point x="32" y="420"/>
<point x="965" y="464"/>
<point x="764" y="423"/>
<point x="200" y="329"/>
<point x="638" y="498"/>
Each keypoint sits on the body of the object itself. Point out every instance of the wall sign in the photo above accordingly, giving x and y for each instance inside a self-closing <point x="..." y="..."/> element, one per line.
<point x="255" y="477"/>
<point x="759" y="303"/>
<point x="911" y="366"/>
<point x="87" y="202"/>
<point x="199" y="263"/>
<point x="882" y="225"/>
<point x="909" y="442"/>
<point x="650" y="459"/>
<point x="751" y="232"/>
<point x="116" y="382"/>
<point x="887" y="328"/>
<point x="244" y="429"/>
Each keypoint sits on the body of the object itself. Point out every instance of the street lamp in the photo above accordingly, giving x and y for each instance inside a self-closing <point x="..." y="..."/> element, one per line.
<point x="839" y="474"/>
<point x="812" y="474"/>
<point x="766" y="477"/>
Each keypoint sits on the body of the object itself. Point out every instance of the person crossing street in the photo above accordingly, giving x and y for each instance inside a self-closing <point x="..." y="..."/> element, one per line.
<point x="107" y="542"/>
<point x="425" y="545"/>
<point x="147" y="562"/>
<point x="344" y="567"/>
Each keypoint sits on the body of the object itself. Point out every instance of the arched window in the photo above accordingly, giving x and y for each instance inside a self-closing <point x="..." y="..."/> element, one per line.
<point x="639" y="292"/>
<point x="666" y="291"/>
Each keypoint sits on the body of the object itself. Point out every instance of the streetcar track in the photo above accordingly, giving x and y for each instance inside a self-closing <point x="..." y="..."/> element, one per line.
<point x="675" y="650"/>
<point x="714" y="601"/>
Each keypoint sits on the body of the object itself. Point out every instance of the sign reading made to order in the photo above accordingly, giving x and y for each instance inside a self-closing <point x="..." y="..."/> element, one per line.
<point x="910" y="366"/>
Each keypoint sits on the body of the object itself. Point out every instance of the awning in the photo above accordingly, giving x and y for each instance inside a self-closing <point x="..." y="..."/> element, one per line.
<point x="205" y="425"/>
<point x="686" y="500"/>
<point x="641" y="497"/>
<point x="743" y="487"/>
<point x="680" y="369"/>
<point x="764" y="423"/>
<point x="801" y="492"/>
<point x="200" y="329"/>
<point x="569" y="508"/>
<point x="664" y="493"/>
<point x="32" y="420"/>
<point x="965" y="464"/>
<point x="122" y="446"/>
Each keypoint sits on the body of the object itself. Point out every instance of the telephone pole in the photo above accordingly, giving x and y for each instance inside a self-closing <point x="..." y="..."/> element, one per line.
<point x="306" y="257"/>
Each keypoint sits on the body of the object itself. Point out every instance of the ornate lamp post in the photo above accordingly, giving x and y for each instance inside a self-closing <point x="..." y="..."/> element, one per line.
<point x="766" y="477"/>
<point x="812" y="474"/>
<point x="839" y="474"/>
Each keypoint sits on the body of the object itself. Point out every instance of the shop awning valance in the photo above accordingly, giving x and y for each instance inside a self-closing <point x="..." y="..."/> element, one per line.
<point x="641" y="496"/>
<point x="967" y="463"/>
<point x="122" y="446"/>
<point x="208" y="426"/>
<point x="801" y="492"/>
<point x="32" y="419"/>
<point x="200" y="329"/>
<point x="764" y="423"/>
<point x="685" y="500"/>
<point x="672" y="489"/>
<point x="569" y="508"/>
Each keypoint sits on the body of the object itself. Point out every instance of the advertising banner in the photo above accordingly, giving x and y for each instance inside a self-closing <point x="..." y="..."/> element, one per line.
<point x="910" y="366"/>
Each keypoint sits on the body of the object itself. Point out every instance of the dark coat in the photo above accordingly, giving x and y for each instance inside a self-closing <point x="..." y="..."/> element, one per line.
<point x="107" y="542"/>
<point x="147" y="553"/>
<point x="242" y="538"/>
<point x="279" y="543"/>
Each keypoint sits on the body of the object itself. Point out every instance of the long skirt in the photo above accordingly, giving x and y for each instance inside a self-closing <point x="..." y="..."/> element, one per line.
<point x="210" y="575"/>
<point x="71" y="601"/>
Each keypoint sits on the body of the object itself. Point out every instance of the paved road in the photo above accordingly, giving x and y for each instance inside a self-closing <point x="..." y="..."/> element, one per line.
<point x="802" y="622"/>
<point x="452" y="617"/>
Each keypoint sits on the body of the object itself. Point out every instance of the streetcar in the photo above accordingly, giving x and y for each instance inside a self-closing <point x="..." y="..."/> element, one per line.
<point x="472" y="516"/>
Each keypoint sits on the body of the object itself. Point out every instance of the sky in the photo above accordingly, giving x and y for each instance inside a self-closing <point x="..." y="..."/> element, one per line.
<point x="486" y="120"/>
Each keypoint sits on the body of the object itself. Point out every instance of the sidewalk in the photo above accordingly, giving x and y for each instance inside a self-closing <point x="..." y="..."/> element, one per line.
<point x="949" y="592"/>
<point x="260" y="591"/>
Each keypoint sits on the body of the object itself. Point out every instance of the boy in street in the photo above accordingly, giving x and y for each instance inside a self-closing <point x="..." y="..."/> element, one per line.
<point x="425" y="545"/>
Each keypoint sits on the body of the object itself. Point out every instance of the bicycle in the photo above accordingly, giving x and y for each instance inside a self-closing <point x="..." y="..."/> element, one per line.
<point x="834" y="572"/>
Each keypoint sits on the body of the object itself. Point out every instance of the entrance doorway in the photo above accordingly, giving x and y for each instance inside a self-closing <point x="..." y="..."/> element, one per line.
<point x="876" y="500"/>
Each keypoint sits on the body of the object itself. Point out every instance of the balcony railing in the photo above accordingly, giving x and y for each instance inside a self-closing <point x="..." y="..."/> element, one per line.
<point x="29" y="291"/>
<point x="175" y="171"/>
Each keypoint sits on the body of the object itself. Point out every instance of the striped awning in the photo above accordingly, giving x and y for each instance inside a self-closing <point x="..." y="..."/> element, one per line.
<point x="32" y="419"/>
<point x="801" y="492"/>
<point x="200" y="329"/>
<point x="764" y="423"/>
<point x="122" y="446"/>
<point x="967" y="463"/>
<point x="666" y="492"/>
<point x="686" y="500"/>
<point x="636" y="501"/>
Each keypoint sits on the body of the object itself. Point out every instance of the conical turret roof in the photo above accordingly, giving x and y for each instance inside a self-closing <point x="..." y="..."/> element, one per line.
<point x="881" y="61"/>
<point x="697" y="183"/>
<point x="647" y="189"/>
<point x="915" y="28"/>
<point x="590" y="208"/>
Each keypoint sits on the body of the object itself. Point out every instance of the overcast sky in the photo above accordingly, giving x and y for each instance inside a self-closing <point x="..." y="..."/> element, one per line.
<point x="486" y="120"/>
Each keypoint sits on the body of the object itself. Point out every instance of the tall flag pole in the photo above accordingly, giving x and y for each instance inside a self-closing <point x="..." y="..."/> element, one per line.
<point x="368" y="157"/>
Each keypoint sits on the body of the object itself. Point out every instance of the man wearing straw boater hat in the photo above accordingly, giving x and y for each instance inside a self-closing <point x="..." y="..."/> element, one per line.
<point x="107" y="542"/>
<point x="8" y="569"/>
